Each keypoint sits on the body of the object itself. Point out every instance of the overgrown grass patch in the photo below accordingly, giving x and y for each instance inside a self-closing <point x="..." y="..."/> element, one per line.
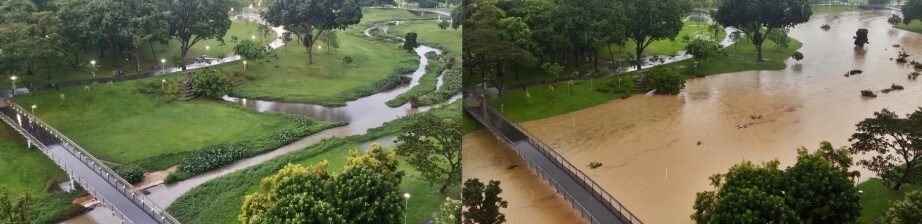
<point x="563" y="99"/>
<point x="876" y="197"/>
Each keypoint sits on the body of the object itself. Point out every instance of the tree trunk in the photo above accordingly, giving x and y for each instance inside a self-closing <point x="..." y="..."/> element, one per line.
<point x="152" y="51"/>
<point x="759" y="49"/>
<point x="137" y="55"/>
<point x="182" y="57"/>
<point x="445" y="185"/>
<point x="114" y="55"/>
<point x="612" y="54"/>
<point x="903" y="177"/>
<point x="596" y="59"/>
<point x="639" y="58"/>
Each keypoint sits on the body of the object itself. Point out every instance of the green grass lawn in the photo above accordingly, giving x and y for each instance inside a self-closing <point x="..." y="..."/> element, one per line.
<point x="470" y="125"/>
<point x="117" y="123"/>
<point x="915" y="26"/>
<point x="56" y="72"/>
<point x="429" y="34"/>
<point x="224" y="196"/>
<point x="544" y="104"/>
<point x="875" y="198"/>
<point x="426" y="84"/>
<point x="371" y="16"/>
<point x="692" y="29"/>
<point x="742" y="57"/>
<point x="834" y="8"/>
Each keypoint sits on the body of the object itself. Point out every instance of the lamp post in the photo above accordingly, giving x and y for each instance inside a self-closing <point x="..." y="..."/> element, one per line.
<point x="244" y="65"/>
<point x="162" y="84"/>
<point x="33" y="109"/>
<point x="13" y="90"/>
<point x="207" y="48"/>
<point x="93" y="63"/>
<point x="406" y="197"/>
<point x="163" y="66"/>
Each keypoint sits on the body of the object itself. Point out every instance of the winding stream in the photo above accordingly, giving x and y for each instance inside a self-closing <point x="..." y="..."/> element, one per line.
<point x="362" y="114"/>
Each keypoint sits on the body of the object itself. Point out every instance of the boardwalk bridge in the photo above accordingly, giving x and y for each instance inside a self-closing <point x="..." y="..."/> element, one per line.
<point x="126" y="202"/>
<point x="592" y="201"/>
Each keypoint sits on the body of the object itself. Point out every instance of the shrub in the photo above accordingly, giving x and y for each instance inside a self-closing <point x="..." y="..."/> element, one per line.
<point x="211" y="157"/>
<point x="209" y="83"/>
<point x="593" y="165"/>
<point x="896" y="87"/>
<point x="347" y="60"/>
<point x="392" y="81"/>
<point x="451" y="87"/>
<point x="130" y="172"/>
<point x="825" y="27"/>
<point x="170" y="91"/>
<point x="665" y="80"/>
<point x="868" y="93"/>
<point x="798" y="56"/>
<point x="914" y="75"/>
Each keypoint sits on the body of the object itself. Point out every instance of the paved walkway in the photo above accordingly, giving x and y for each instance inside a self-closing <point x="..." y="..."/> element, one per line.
<point x="593" y="202"/>
<point x="114" y="193"/>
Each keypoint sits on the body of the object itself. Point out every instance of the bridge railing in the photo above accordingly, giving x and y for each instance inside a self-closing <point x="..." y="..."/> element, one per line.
<point x="100" y="168"/>
<point x="582" y="178"/>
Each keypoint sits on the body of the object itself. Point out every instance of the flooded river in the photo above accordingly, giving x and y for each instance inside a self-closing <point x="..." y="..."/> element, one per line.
<point x="649" y="144"/>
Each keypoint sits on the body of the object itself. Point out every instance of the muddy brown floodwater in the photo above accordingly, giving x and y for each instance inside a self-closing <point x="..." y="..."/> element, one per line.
<point x="648" y="145"/>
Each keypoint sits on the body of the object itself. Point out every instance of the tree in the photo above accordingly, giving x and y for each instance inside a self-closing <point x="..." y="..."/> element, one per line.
<point x="648" y="21"/>
<point x="553" y="69"/>
<point x="894" y="20"/>
<point x="780" y="38"/>
<point x="308" y="19"/>
<point x="912" y="10"/>
<point x="701" y="49"/>
<point x="329" y="40"/>
<point x="409" y="42"/>
<point x="449" y="212"/>
<point x="209" y="83"/>
<point x="896" y="144"/>
<point x="758" y="18"/>
<point x="814" y="190"/>
<point x="250" y="50"/>
<point x="798" y="56"/>
<point x="665" y="80"/>
<point x="366" y="191"/>
<point x="482" y="203"/>
<point x="194" y="21"/>
<point x="861" y="37"/>
<point x="906" y="211"/>
<point x="14" y="212"/>
<point x="444" y="24"/>
<point x="432" y="145"/>
<point x="146" y="22"/>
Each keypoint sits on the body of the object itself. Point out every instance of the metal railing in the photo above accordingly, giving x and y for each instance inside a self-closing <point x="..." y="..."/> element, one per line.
<point x="584" y="180"/>
<point x="97" y="166"/>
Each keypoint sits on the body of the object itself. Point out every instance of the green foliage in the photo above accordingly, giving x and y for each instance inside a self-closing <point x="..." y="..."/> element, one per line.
<point x="482" y="203"/>
<point x="428" y="3"/>
<point x="130" y="172"/>
<point x="894" y="20"/>
<point x="250" y="50"/>
<point x="366" y="191"/>
<point x="169" y="90"/>
<point x="308" y="20"/>
<point x="330" y="40"/>
<point x="211" y="157"/>
<point x="765" y="194"/>
<point x="798" y="56"/>
<point x="347" y="60"/>
<point x="653" y="20"/>
<point x="594" y="165"/>
<point x="432" y="145"/>
<point x="912" y="10"/>
<point x="209" y="83"/>
<point x="449" y="212"/>
<point x="780" y="38"/>
<point x="55" y="207"/>
<point x="191" y="21"/>
<point x="410" y="42"/>
<point x="702" y="49"/>
<point x="758" y="19"/>
<point x="861" y="37"/>
<point x="906" y="211"/>
<point x="664" y="80"/>
<point x="444" y="24"/>
<point x="553" y="69"/>
<point x="14" y="211"/>
<point x="894" y="143"/>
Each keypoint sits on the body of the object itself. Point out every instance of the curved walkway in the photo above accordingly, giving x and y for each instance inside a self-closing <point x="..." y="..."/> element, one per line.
<point x="126" y="203"/>
<point x="594" y="203"/>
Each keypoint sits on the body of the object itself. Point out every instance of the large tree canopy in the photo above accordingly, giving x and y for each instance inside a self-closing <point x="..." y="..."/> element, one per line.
<point x="194" y="21"/>
<point x="895" y="143"/>
<point x="647" y="21"/>
<point x="431" y="146"/>
<point x="308" y="19"/>
<point x="759" y="18"/>
<point x="912" y="10"/>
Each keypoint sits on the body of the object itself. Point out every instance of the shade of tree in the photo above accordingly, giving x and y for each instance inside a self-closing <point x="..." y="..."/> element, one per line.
<point x="895" y="145"/>
<point x="308" y="19"/>
<point x="648" y="21"/>
<point x="906" y="211"/>
<point x="14" y="211"/>
<point x="432" y="145"/>
<point x="482" y="203"/>
<point x="701" y="49"/>
<point x="816" y="189"/>
<point x="194" y="21"/>
<point x="409" y="41"/>
<point x="664" y="80"/>
<point x="861" y="37"/>
<point x="250" y="50"/>
<point x="758" y="19"/>
<point x="366" y="191"/>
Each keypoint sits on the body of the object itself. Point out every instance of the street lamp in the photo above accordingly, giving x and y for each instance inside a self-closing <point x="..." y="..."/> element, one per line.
<point x="244" y="65"/>
<point x="163" y="66"/>
<point x="253" y="37"/>
<point x="33" y="109"/>
<point x="162" y="84"/>
<point x="13" y="78"/>
<point x="406" y="197"/>
<point x="207" y="48"/>
<point x="93" y="62"/>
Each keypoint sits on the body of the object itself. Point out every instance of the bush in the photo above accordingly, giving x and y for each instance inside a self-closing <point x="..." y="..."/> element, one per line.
<point x="170" y="91"/>
<point x="665" y="80"/>
<point x="209" y="83"/>
<point x="593" y="165"/>
<point x="428" y="3"/>
<point x="798" y="56"/>
<point x="130" y="172"/>
<point x="392" y="82"/>
<point x="896" y="87"/>
<point x="868" y="93"/>
<point x="347" y="60"/>
<point x="211" y="157"/>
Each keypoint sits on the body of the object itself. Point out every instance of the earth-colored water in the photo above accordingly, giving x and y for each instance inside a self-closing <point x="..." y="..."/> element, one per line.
<point x="649" y="144"/>
<point x="530" y="199"/>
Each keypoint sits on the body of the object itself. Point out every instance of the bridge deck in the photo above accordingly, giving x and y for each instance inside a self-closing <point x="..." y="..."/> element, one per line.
<point x="103" y="187"/>
<point x="583" y="197"/>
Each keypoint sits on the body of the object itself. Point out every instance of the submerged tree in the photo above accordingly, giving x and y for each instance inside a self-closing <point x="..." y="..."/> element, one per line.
<point x="861" y="37"/>
<point x="409" y="41"/>
<point x="759" y="18"/>
<point x="701" y="49"/>
<point x="896" y="144"/>
<point x="309" y="19"/>
<point x="482" y="203"/>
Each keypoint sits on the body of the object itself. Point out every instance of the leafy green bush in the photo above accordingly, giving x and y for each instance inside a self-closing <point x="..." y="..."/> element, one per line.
<point x="211" y="157"/>
<point x="169" y="90"/>
<point x="130" y="172"/>
<point x="450" y="87"/>
<point x="209" y="83"/>
<point x="392" y="81"/>
<point x="55" y="207"/>
<point x="665" y="80"/>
